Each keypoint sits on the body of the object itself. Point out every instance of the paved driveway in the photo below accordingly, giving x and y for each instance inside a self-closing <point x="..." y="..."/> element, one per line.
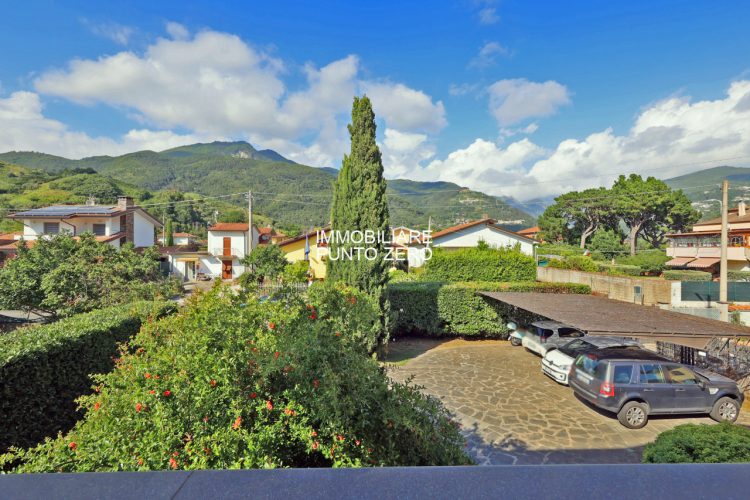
<point x="513" y="414"/>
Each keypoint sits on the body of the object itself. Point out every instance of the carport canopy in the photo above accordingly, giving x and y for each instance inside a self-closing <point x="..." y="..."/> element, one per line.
<point x="679" y="261"/>
<point x="600" y="316"/>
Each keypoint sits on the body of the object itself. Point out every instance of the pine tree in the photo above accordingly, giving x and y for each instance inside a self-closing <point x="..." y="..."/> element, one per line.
<point x="169" y="241"/>
<point x="360" y="204"/>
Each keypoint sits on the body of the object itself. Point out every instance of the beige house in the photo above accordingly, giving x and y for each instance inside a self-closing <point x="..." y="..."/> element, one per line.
<point x="700" y="248"/>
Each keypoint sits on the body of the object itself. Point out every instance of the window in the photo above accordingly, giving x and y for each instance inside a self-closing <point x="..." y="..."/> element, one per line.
<point x="569" y="333"/>
<point x="651" y="374"/>
<point x="736" y="241"/>
<point x="123" y="222"/>
<point x="100" y="229"/>
<point x="590" y="365"/>
<point x="681" y="375"/>
<point x="622" y="374"/>
<point x="51" y="228"/>
<point x="544" y="333"/>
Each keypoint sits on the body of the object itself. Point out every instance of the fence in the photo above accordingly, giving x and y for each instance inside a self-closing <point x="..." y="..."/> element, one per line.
<point x="634" y="290"/>
<point x="708" y="291"/>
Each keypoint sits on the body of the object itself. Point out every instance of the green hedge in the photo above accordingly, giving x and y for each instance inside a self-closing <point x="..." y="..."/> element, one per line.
<point x="619" y="269"/>
<point x="43" y="369"/>
<point x="703" y="443"/>
<point x="575" y="263"/>
<point x="684" y="275"/>
<point x="738" y="275"/>
<point x="430" y="308"/>
<point x="479" y="264"/>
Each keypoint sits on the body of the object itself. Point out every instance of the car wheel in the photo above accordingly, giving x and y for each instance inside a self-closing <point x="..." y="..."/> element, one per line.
<point x="633" y="415"/>
<point x="725" y="410"/>
<point x="515" y="341"/>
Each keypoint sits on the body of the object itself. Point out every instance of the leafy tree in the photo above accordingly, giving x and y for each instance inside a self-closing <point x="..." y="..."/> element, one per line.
<point x="680" y="217"/>
<point x="647" y="205"/>
<point x="266" y="262"/>
<point x="169" y="229"/>
<point x="553" y="226"/>
<point x="61" y="276"/>
<point x="296" y="272"/>
<point x="585" y="211"/>
<point x="608" y="242"/>
<point x="233" y="215"/>
<point x="359" y="202"/>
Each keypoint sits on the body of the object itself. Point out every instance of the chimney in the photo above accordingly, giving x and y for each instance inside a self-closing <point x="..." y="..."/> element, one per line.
<point x="124" y="202"/>
<point x="741" y="208"/>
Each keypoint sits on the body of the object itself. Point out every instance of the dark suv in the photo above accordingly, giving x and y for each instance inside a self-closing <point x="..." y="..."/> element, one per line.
<point x="634" y="383"/>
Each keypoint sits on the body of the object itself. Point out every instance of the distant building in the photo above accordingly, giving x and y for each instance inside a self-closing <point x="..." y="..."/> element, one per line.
<point x="700" y="249"/>
<point x="530" y="232"/>
<point x="181" y="239"/>
<point x="116" y="225"/>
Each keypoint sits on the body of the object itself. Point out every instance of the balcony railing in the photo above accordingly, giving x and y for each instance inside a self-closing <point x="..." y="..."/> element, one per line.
<point x="227" y="252"/>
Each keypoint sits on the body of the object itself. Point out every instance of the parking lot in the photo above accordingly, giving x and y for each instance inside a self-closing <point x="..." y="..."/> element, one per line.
<point x="513" y="414"/>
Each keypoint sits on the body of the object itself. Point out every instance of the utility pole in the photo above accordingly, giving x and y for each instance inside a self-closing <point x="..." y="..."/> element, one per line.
<point x="723" y="304"/>
<point x="250" y="218"/>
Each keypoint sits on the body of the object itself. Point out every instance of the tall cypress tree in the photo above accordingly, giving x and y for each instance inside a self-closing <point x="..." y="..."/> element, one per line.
<point x="359" y="203"/>
<point x="169" y="230"/>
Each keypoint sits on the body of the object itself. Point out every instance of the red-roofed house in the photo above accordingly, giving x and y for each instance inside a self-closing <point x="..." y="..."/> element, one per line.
<point x="530" y="232"/>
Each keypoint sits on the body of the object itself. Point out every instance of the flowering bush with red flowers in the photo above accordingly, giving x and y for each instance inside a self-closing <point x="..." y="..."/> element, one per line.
<point x="321" y="402"/>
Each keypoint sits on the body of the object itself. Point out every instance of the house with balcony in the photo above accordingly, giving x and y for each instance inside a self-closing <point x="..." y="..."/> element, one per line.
<point x="227" y="244"/>
<point x="700" y="249"/>
<point x="116" y="225"/>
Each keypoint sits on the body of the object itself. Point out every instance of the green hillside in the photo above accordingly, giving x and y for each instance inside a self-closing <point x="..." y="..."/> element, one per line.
<point x="288" y="193"/>
<point x="704" y="187"/>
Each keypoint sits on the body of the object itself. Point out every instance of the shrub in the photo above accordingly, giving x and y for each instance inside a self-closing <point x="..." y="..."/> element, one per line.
<point x="478" y="264"/>
<point x="399" y="276"/>
<point x="44" y="368"/>
<point x="564" y="250"/>
<point x="576" y="263"/>
<point x="296" y="272"/>
<point x="685" y="275"/>
<point x="691" y="443"/>
<point x="456" y="309"/>
<point x="738" y="275"/>
<point x="235" y="383"/>
<point x="650" y="262"/>
<point x="619" y="269"/>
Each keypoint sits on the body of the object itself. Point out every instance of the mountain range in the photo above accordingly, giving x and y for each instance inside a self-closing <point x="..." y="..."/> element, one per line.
<point x="286" y="192"/>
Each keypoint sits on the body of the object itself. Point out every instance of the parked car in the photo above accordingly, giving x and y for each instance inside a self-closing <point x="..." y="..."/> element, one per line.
<point x="544" y="336"/>
<point x="556" y="363"/>
<point x="634" y="384"/>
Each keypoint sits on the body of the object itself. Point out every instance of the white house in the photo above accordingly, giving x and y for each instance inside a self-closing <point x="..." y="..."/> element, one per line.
<point x="469" y="235"/>
<point x="114" y="224"/>
<point x="228" y="243"/>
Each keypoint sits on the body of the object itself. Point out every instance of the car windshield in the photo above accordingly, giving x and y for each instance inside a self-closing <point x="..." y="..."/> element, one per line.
<point x="576" y="347"/>
<point x="590" y="365"/>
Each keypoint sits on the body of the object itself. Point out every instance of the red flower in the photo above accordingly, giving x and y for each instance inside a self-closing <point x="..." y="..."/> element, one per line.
<point x="340" y="437"/>
<point x="173" y="463"/>
<point x="313" y="433"/>
<point x="167" y="393"/>
<point x="73" y="445"/>
<point x="237" y="423"/>
<point x="213" y="383"/>
<point x="276" y="355"/>
<point x="176" y="454"/>
<point x="315" y="445"/>
<point x="288" y="411"/>
<point x="272" y="326"/>
<point x="97" y="405"/>
<point x="253" y="395"/>
<point x="205" y="419"/>
<point x="316" y="383"/>
<point x="140" y="461"/>
<point x="255" y="349"/>
<point x="146" y="375"/>
<point x="353" y="300"/>
<point x="313" y="315"/>
<point x="357" y="442"/>
<point x="269" y="405"/>
<point x="138" y="407"/>
<point x="152" y="391"/>
<point x="338" y="334"/>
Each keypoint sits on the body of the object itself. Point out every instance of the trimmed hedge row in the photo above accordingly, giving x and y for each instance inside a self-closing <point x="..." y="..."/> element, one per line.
<point x="433" y="308"/>
<point x="479" y="264"/>
<point x="685" y="275"/>
<point x="691" y="443"/>
<point x="619" y="269"/>
<point x="575" y="263"/>
<point x="43" y="369"/>
<point x="738" y="275"/>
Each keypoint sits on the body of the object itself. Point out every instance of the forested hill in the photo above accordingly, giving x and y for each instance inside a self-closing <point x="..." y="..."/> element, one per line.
<point x="285" y="191"/>
<point x="704" y="187"/>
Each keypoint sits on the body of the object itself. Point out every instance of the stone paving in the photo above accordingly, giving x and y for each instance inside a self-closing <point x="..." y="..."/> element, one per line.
<point x="511" y="413"/>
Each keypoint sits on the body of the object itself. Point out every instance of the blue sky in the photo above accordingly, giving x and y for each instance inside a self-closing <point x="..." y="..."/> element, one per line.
<point x="498" y="95"/>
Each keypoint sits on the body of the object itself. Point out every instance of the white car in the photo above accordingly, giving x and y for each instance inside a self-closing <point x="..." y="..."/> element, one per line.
<point x="556" y="363"/>
<point x="544" y="336"/>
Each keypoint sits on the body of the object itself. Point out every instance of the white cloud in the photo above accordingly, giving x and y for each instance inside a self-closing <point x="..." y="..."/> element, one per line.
<point x="462" y="89"/>
<point x="669" y="138"/>
<point x="25" y="128"/>
<point x="403" y="152"/>
<point x="514" y="100"/>
<point x="488" y="15"/>
<point x="405" y="108"/>
<point x="215" y="84"/>
<point x="488" y="54"/>
<point x="118" y="33"/>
